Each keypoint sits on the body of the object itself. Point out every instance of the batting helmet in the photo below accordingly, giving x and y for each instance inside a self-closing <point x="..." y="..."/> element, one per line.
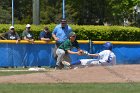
<point x="108" y="46"/>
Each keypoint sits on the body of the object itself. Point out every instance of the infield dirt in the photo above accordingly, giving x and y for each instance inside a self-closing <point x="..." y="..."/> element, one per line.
<point x="94" y="74"/>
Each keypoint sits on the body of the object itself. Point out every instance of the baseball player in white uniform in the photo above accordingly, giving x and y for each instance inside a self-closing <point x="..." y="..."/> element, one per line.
<point x="105" y="57"/>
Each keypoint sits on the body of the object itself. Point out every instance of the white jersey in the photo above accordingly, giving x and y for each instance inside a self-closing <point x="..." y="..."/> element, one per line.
<point x="106" y="57"/>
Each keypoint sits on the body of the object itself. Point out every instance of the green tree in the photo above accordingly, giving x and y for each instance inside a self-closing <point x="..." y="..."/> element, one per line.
<point x="5" y="16"/>
<point x="23" y="11"/>
<point x="83" y="12"/>
<point x="120" y="9"/>
<point x="48" y="11"/>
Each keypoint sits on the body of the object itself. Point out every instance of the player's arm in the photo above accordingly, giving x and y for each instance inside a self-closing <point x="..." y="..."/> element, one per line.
<point x="94" y="55"/>
<point x="72" y="52"/>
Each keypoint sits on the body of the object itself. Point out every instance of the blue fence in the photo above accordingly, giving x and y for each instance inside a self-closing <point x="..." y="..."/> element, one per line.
<point x="42" y="54"/>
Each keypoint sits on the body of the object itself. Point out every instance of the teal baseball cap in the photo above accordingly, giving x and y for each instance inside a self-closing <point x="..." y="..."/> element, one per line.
<point x="72" y="34"/>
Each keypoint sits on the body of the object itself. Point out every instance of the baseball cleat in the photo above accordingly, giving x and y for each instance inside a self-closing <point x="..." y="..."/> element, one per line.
<point x="65" y="63"/>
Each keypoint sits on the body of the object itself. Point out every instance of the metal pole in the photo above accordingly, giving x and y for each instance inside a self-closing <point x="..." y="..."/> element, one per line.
<point x="36" y="12"/>
<point x="12" y="12"/>
<point x="63" y="9"/>
<point x="135" y="17"/>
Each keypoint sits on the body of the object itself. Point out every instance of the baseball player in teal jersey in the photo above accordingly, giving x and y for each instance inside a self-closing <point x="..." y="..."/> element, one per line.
<point x="64" y="50"/>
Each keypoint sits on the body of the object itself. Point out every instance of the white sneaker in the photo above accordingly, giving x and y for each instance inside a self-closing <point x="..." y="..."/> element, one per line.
<point x="65" y="63"/>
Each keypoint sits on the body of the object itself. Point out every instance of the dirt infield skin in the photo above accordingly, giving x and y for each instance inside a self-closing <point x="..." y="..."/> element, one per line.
<point x="95" y="74"/>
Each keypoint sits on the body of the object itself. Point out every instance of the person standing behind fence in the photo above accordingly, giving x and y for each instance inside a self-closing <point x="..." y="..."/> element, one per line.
<point x="45" y="35"/>
<point x="61" y="32"/>
<point x="27" y="34"/>
<point x="12" y="34"/>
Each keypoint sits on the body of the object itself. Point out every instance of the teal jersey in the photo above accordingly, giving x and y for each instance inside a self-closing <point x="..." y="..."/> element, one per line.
<point x="68" y="45"/>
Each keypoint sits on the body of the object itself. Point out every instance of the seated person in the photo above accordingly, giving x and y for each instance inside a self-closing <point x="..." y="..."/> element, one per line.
<point x="105" y="57"/>
<point x="45" y="35"/>
<point x="12" y="34"/>
<point x="27" y="34"/>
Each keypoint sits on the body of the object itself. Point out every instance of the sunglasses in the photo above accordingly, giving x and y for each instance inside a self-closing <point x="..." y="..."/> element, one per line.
<point x="12" y="28"/>
<point x="63" y="22"/>
<point x="46" y="30"/>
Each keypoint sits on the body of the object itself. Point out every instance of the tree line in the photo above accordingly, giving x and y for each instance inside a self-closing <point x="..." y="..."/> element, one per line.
<point x="82" y="12"/>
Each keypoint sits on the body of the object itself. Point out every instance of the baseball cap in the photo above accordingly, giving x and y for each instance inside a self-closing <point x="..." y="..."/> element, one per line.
<point x="72" y="34"/>
<point x="28" y="25"/>
<point x="11" y="27"/>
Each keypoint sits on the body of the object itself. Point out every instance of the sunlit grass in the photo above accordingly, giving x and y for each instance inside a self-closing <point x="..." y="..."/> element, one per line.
<point x="71" y="88"/>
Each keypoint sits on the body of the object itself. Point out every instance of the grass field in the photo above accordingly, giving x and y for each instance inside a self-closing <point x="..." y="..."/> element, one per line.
<point x="71" y="88"/>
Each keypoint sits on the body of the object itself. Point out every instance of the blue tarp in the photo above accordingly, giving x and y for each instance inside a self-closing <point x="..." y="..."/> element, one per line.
<point x="42" y="54"/>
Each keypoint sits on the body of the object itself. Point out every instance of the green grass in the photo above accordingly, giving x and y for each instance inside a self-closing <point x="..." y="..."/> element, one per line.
<point x="8" y="73"/>
<point x="71" y="88"/>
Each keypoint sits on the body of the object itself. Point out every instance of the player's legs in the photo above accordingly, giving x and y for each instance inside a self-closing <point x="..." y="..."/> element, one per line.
<point x="89" y="61"/>
<point x="60" y="53"/>
<point x="82" y="62"/>
<point x="66" y="58"/>
<point x="86" y="61"/>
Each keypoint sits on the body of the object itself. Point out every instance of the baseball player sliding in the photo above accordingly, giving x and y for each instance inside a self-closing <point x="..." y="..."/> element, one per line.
<point x="105" y="57"/>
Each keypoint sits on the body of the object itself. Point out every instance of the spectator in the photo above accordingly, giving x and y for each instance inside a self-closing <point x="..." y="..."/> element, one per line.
<point x="105" y="57"/>
<point x="27" y="34"/>
<point x="64" y="50"/>
<point x="12" y="35"/>
<point x="45" y="35"/>
<point x="60" y="34"/>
